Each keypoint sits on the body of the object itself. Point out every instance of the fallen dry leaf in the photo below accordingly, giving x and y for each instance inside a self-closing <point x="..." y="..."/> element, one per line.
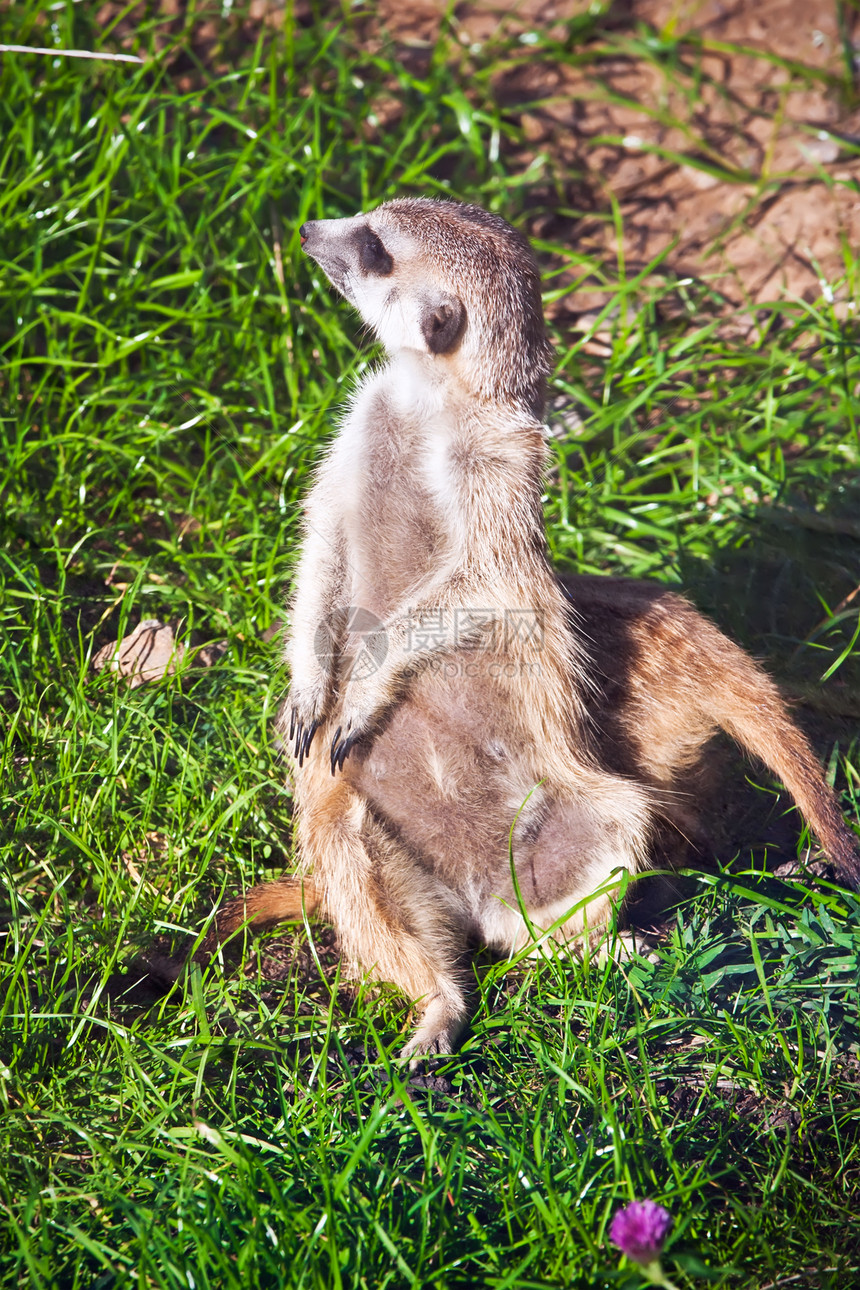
<point x="148" y="654"/>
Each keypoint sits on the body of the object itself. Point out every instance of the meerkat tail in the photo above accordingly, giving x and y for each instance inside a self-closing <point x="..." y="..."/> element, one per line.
<point x="748" y="706"/>
<point x="285" y="899"/>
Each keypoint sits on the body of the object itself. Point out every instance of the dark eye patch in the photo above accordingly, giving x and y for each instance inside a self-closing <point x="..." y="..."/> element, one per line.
<point x="372" y="255"/>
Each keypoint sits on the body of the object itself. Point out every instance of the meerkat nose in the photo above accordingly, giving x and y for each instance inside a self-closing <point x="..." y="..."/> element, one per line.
<point x="304" y="233"/>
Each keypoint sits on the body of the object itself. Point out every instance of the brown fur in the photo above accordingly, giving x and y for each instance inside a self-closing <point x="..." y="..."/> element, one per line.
<point x="493" y="773"/>
<point x="285" y="899"/>
<point x="668" y="681"/>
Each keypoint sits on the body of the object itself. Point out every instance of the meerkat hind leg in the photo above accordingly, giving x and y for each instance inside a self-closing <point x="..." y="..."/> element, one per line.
<point x="569" y="858"/>
<point x="396" y="922"/>
<point x="413" y="939"/>
<point x="437" y="1032"/>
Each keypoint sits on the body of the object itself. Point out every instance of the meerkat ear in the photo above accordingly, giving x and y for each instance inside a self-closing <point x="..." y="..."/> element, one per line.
<point x="442" y="322"/>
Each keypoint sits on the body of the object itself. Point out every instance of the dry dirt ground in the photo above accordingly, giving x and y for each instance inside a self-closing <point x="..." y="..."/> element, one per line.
<point x="757" y="189"/>
<point x="735" y="150"/>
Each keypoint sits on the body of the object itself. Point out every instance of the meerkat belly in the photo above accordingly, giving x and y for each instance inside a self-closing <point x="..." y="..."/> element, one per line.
<point x="393" y="529"/>
<point x="453" y="774"/>
<point x="388" y="560"/>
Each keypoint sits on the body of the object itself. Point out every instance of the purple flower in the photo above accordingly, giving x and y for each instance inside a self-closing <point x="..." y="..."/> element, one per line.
<point x="640" y="1229"/>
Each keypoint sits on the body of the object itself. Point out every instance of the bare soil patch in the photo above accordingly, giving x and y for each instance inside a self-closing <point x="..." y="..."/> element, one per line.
<point x="722" y="131"/>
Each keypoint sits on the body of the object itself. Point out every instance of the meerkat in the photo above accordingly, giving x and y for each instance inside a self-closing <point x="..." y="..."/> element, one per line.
<point x="480" y="750"/>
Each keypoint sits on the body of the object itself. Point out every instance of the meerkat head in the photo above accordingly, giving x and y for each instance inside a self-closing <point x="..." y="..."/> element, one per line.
<point x="448" y="280"/>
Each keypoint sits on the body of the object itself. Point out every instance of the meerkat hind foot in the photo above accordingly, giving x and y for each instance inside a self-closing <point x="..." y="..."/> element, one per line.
<point x="438" y="1031"/>
<point x="626" y="947"/>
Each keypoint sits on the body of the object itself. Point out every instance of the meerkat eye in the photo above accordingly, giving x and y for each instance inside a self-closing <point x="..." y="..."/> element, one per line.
<point x="372" y="255"/>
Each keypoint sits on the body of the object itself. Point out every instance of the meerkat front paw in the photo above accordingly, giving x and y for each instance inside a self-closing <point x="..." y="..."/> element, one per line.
<point x="342" y="744"/>
<point x="357" y="719"/>
<point x="306" y="713"/>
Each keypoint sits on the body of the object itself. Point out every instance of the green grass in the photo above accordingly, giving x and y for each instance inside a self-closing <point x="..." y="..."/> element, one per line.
<point x="164" y="392"/>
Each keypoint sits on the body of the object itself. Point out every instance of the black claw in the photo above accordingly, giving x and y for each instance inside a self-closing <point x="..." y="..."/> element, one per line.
<point x="341" y="750"/>
<point x="334" y="749"/>
<point x="299" y="728"/>
<point x="293" y="716"/>
<point x="308" y="739"/>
